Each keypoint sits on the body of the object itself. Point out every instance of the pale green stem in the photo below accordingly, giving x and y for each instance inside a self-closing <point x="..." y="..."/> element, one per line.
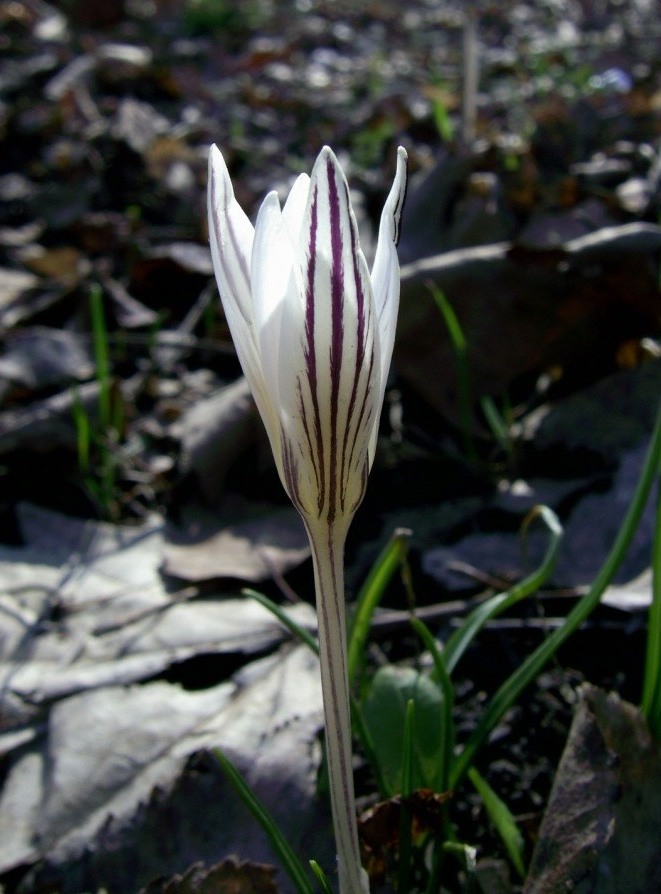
<point x="327" y="542"/>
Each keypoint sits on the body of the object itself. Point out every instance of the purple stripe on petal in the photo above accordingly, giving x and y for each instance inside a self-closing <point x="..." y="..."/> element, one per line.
<point x="314" y="437"/>
<point x="337" y="327"/>
<point x="361" y="322"/>
<point x="363" y="423"/>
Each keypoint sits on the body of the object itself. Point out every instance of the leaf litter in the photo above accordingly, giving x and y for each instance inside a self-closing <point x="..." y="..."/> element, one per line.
<point x="544" y="236"/>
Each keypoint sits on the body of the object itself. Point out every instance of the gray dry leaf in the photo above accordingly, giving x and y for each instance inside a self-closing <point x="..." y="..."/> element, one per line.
<point x="13" y="286"/>
<point x="245" y="540"/>
<point x="83" y="605"/>
<point x="601" y="827"/>
<point x="38" y="356"/>
<point x="228" y="418"/>
<point x="94" y="747"/>
<point x="89" y="782"/>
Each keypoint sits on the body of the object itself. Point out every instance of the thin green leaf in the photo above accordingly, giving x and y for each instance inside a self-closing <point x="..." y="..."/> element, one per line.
<point x="459" y="641"/>
<point x="290" y="862"/>
<point x="320" y="875"/>
<point x="460" y="346"/>
<point x="303" y="635"/>
<point x="101" y="358"/>
<point x="651" y="701"/>
<point x="389" y="560"/>
<point x="83" y="432"/>
<point x="531" y="667"/>
<point x="502" y="819"/>
<point x="497" y="424"/>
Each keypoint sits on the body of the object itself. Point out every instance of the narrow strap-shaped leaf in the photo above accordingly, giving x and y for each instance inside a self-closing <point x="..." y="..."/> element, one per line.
<point x="388" y="561"/>
<point x="459" y="641"/>
<point x="651" y="700"/>
<point x="300" y="632"/>
<point x="508" y="693"/>
<point x="290" y="862"/>
<point x="501" y="816"/>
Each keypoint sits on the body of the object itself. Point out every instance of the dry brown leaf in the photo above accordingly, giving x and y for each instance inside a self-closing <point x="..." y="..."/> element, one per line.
<point x="601" y="828"/>
<point x="228" y="877"/>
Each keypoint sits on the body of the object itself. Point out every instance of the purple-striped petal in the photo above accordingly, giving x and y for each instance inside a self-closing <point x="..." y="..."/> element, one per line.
<point x="326" y="388"/>
<point x="313" y="330"/>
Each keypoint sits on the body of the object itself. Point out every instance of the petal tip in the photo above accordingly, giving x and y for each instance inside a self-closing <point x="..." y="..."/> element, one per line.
<point x="218" y="171"/>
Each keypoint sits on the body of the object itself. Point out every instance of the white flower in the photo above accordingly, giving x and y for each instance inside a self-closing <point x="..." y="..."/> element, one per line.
<point x="314" y="333"/>
<point x="313" y="329"/>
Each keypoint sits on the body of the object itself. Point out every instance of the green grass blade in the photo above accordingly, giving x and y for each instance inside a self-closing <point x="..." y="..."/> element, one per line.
<point x="531" y="667"/>
<point x="459" y="641"/>
<point x="497" y="424"/>
<point x="651" y="700"/>
<point x="389" y="560"/>
<point x="303" y="635"/>
<point x="460" y="346"/>
<point x="502" y="819"/>
<point x="290" y="862"/>
<point x="320" y="875"/>
<point x="83" y="433"/>
<point x="101" y="357"/>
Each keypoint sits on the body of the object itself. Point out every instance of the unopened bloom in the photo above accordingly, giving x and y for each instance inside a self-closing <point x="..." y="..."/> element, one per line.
<point x="313" y="329"/>
<point x="314" y="332"/>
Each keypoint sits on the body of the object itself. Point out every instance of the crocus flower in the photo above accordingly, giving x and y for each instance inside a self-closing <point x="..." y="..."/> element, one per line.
<point x="314" y="332"/>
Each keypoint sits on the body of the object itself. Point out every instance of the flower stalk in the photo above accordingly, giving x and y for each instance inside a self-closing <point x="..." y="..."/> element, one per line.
<point x="327" y="543"/>
<point x="314" y="329"/>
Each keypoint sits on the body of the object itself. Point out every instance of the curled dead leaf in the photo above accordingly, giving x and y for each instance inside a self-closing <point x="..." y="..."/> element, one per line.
<point x="228" y="877"/>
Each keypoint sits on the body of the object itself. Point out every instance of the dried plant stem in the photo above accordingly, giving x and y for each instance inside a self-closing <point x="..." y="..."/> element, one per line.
<point x="327" y="541"/>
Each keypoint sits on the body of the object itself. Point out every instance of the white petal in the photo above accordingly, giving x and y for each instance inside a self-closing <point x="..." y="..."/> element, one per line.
<point x="231" y="238"/>
<point x="385" y="276"/>
<point x="294" y="208"/>
<point x="230" y="235"/>
<point x="271" y="271"/>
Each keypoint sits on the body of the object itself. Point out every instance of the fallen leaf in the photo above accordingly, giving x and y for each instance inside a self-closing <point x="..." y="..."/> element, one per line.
<point x="117" y="763"/>
<point x="242" y="540"/>
<point x="64" y="264"/>
<point x="111" y="618"/>
<point x="228" y="877"/>
<point x="523" y="311"/>
<point x="600" y="829"/>
<point x="36" y="357"/>
<point x="13" y="285"/>
<point x="214" y="432"/>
